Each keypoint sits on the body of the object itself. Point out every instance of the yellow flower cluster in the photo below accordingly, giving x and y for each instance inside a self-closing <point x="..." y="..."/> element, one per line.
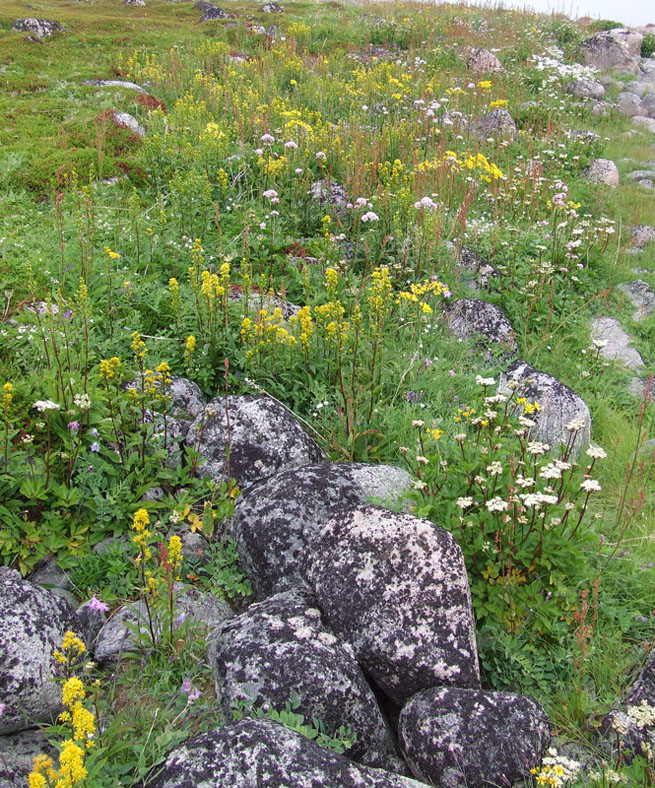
<point x="110" y="369"/>
<point x="72" y="648"/>
<point x="7" y="396"/>
<point x="189" y="348"/>
<point x="112" y="255"/>
<point x="418" y="293"/>
<point x="139" y="524"/>
<point x="528" y="407"/>
<point x="551" y="776"/>
<point x="175" y="555"/>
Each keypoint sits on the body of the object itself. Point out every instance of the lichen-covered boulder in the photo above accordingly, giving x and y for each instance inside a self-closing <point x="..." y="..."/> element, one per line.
<point x="641" y="235"/>
<point x="33" y="622"/>
<point x="118" y="635"/>
<point x="482" y="61"/>
<point x="468" y="738"/>
<point x="615" y="344"/>
<point x="279" y="649"/>
<point x="113" y="83"/>
<point x="642" y="297"/>
<point x="476" y="272"/>
<point x="498" y="124"/>
<point x="633" y="718"/>
<point x="604" y="51"/>
<point x="395" y="586"/>
<point x="264" y="439"/>
<point x="603" y="172"/>
<point x="271" y="8"/>
<point x="644" y="122"/>
<point x="17" y="753"/>
<point x="261" y="753"/>
<point x="124" y="120"/>
<point x="39" y="28"/>
<point x="628" y="105"/>
<point x="329" y="193"/>
<point x="585" y="88"/>
<point x="275" y="522"/>
<point x="560" y="407"/>
<point x="472" y="318"/>
<point x="211" y="12"/>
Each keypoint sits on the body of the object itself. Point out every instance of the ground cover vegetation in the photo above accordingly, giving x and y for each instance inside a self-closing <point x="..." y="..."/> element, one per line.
<point x="128" y="261"/>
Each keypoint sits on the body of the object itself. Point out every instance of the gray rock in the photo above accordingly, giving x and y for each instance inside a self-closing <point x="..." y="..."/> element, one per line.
<point x="275" y="522"/>
<point x="601" y="109"/>
<point x="482" y="61"/>
<point x="647" y="105"/>
<point x="271" y="8"/>
<point x="395" y="586"/>
<point x="33" y="622"/>
<point x="638" y="175"/>
<point x="646" y="183"/>
<point x="643" y="122"/>
<point x="642" y="297"/>
<point x="51" y="575"/>
<point x="262" y="753"/>
<point x="603" y="172"/>
<point x="473" y="318"/>
<point x="618" y="344"/>
<point x="641" y="235"/>
<point x="278" y="650"/>
<point x="630" y="38"/>
<point x="126" y="121"/>
<point x="624" y="715"/>
<point x="497" y="123"/>
<point x="117" y="635"/>
<point x="92" y="619"/>
<point x="113" y="83"/>
<point x="627" y="105"/>
<point x="258" y="30"/>
<point x="328" y="193"/>
<point x="17" y="753"/>
<point x="187" y="401"/>
<point x="476" y="272"/>
<point x="39" y="28"/>
<point x="605" y="51"/>
<point x="468" y="738"/>
<point x="212" y="13"/>
<point x="585" y="88"/>
<point x="264" y="439"/>
<point x="559" y="405"/>
<point x="135" y="2"/>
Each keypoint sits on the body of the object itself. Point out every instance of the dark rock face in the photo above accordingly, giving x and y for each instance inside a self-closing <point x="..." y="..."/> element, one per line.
<point x="264" y="438"/>
<point x="17" y="753"/>
<point x="254" y="753"/>
<point x="330" y="193"/>
<point x="559" y="405"/>
<point x="472" y="317"/>
<point x="274" y="523"/>
<point x="465" y="738"/>
<point x="39" y="28"/>
<point x="497" y="123"/>
<point x="32" y="626"/>
<point x="395" y="586"/>
<point x="279" y="649"/>
<point x="627" y="717"/>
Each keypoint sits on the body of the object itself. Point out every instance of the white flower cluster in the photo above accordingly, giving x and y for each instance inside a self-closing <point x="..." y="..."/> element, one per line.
<point x="552" y="61"/>
<point x="43" y="405"/>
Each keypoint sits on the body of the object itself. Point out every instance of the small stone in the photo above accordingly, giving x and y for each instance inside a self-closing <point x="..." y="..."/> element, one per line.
<point x="482" y="61"/>
<point x="212" y="13"/>
<point x="113" y="83"/>
<point x="472" y="318"/>
<point x="585" y="88"/>
<point x="497" y="123"/>
<point x="126" y="121"/>
<point x="618" y="345"/>
<point x="271" y="8"/>
<point x="642" y="297"/>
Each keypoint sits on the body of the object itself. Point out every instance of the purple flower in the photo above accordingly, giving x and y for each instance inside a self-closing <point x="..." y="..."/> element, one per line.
<point x="97" y="605"/>
<point x="643" y="619"/>
<point x="95" y="446"/>
<point x="94" y="432"/>
<point x="186" y="685"/>
<point x="68" y="314"/>
<point x="73" y="425"/>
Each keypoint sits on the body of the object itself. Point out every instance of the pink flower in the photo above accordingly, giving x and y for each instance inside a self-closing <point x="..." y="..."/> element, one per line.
<point x="451" y="371"/>
<point x="270" y="193"/>
<point x="267" y="139"/>
<point x="97" y="605"/>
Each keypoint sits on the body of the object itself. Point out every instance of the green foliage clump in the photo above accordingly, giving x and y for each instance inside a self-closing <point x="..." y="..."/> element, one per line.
<point x="599" y="25"/>
<point x="648" y="45"/>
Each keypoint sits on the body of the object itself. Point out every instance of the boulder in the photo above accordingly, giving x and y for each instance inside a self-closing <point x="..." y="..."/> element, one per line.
<point x="264" y="438"/>
<point x="469" y="738"/>
<point x="33" y="622"/>
<point x="275" y="521"/>
<point x="113" y="83"/>
<point x="559" y="405"/>
<point x="643" y="122"/>
<point x="631" y="39"/>
<point x="186" y="402"/>
<point x="641" y="235"/>
<point x="279" y="650"/>
<point x="254" y="753"/>
<point x="472" y="318"/>
<point x="38" y="28"/>
<point x="17" y="753"/>
<point x="124" y="120"/>
<point x="329" y="193"/>
<point x="497" y="123"/>
<point x="135" y="2"/>
<point x="482" y="61"/>
<point x="640" y="175"/>
<point x="617" y="344"/>
<point x="627" y="718"/>
<point x="605" y="51"/>
<point x="395" y="586"/>
<point x="212" y="13"/>
<point x="585" y="88"/>
<point x="628" y="105"/>
<point x="271" y="8"/>
<point x="118" y="636"/>
<point x="603" y="172"/>
<point x="475" y="272"/>
<point x="642" y="297"/>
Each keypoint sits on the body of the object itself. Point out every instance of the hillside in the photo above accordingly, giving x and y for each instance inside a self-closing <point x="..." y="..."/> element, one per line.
<point x="326" y="361"/>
